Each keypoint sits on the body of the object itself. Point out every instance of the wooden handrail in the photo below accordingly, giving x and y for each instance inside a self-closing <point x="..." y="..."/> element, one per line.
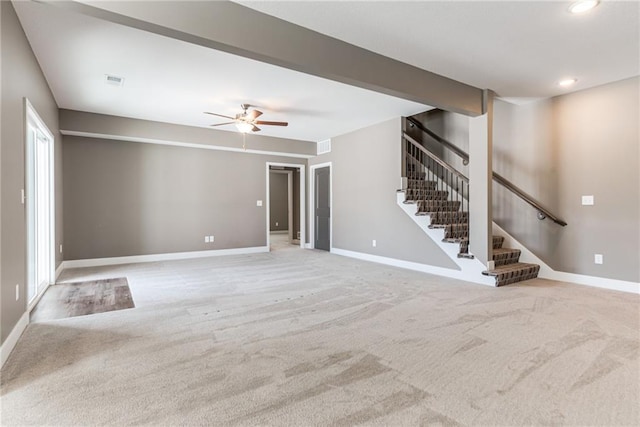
<point x="543" y="212"/>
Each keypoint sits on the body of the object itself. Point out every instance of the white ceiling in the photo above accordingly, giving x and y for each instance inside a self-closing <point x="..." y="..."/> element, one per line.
<point x="519" y="49"/>
<point x="173" y="81"/>
<point x="516" y="48"/>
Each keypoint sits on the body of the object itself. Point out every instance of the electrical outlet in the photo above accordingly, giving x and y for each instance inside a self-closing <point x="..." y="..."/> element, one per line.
<point x="374" y="243"/>
<point x="206" y="239"/>
<point x="17" y="292"/>
<point x="259" y="203"/>
<point x="588" y="201"/>
<point x="598" y="259"/>
<point x="60" y="248"/>
<point x="211" y="239"/>
<point x="276" y="223"/>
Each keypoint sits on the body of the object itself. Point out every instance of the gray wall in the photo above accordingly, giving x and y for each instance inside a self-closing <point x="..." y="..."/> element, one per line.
<point x="278" y="201"/>
<point x="21" y="77"/>
<point x="125" y="198"/>
<point x="557" y="150"/>
<point x="366" y="175"/>
<point x="102" y="124"/>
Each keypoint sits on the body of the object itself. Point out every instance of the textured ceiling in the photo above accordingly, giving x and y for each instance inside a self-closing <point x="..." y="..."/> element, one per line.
<point x="173" y="81"/>
<point x="519" y="49"/>
<point x="516" y="48"/>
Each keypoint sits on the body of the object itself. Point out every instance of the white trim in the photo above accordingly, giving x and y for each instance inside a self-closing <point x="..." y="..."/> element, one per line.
<point x="308" y="246"/>
<point x="30" y="113"/>
<point x="303" y="219"/>
<point x="546" y="272"/>
<point x="470" y="269"/>
<point x="279" y="232"/>
<point x="596" y="282"/>
<point x="312" y="198"/>
<point x="473" y="268"/>
<point x="97" y="262"/>
<point x="10" y="342"/>
<point x="290" y="205"/>
<point x="424" y="268"/>
<point x="181" y="144"/>
<point x="37" y="298"/>
<point x="59" y="271"/>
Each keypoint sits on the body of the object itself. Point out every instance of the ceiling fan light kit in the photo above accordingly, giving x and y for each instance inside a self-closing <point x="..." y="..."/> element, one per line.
<point x="246" y="121"/>
<point x="244" y="127"/>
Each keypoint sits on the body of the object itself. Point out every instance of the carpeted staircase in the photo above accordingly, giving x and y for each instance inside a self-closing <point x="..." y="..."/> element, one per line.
<point x="446" y="214"/>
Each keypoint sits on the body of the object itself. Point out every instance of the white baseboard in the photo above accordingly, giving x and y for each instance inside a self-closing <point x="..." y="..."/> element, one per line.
<point x="279" y="232"/>
<point x="546" y="272"/>
<point x="308" y="246"/>
<point x="424" y="268"/>
<point x="97" y="262"/>
<point x="594" y="281"/>
<point x="59" y="271"/>
<point x="9" y="344"/>
<point x="38" y="297"/>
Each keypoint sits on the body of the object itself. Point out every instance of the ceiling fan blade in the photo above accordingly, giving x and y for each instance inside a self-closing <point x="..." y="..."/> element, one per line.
<point x="222" y="124"/>
<point x="220" y="115"/>
<point x="262" y="122"/>
<point x="255" y="129"/>
<point x="254" y="114"/>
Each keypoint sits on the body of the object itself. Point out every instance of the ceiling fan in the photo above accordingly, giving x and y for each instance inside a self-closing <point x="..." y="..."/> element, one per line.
<point x="247" y="120"/>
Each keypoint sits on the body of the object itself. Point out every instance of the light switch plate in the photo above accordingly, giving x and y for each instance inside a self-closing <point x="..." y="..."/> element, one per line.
<point x="587" y="201"/>
<point x="259" y="203"/>
<point x="598" y="259"/>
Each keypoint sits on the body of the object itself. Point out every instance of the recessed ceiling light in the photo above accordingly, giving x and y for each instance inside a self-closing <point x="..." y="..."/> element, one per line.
<point x="583" y="6"/>
<point x="567" y="82"/>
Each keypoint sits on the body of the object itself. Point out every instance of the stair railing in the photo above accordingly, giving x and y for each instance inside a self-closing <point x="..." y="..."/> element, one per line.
<point x="422" y="164"/>
<point x="542" y="211"/>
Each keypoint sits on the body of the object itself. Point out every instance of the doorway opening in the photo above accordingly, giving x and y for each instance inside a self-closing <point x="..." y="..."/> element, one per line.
<point x="39" y="199"/>
<point x="321" y="203"/>
<point x="286" y="225"/>
<point x="285" y="205"/>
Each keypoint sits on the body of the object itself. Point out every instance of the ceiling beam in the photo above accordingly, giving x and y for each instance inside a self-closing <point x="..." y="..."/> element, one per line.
<point x="239" y="30"/>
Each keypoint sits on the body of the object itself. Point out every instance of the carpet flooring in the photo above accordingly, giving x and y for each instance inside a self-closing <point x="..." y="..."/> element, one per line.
<point x="306" y="338"/>
<point x="83" y="298"/>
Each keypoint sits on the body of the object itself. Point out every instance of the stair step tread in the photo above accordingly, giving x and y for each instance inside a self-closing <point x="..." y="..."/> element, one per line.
<point x="513" y="273"/>
<point x="505" y="256"/>
<point x="501" y="251"/>
<point x="517" y="266"/>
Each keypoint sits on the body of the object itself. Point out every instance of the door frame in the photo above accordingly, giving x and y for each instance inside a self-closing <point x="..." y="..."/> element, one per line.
<point x="312" y="204"/>
<point x="302" y="201"/>
<point x="31" y="114"/>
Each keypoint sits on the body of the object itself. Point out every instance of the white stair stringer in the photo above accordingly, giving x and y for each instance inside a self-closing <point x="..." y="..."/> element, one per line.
<point x="470" y="269"/>
<point x="546" y="272"/>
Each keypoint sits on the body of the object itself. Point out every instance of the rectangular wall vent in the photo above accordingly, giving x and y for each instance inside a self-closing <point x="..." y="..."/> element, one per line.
<point x="324" y="146"/>
<point x="114" y="80"/>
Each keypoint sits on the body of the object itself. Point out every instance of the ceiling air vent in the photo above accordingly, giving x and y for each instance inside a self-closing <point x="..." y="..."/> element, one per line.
<point x="324" y="146"/>
<point x="114" y="80"/>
